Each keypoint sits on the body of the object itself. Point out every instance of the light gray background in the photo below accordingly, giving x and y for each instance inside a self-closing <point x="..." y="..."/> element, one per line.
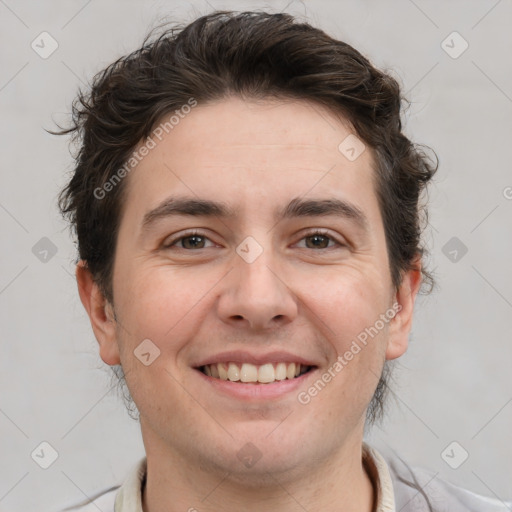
<point x="455" y="382"/>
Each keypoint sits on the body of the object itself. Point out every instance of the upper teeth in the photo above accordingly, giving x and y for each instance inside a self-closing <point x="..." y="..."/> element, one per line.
<point x="247" y="372"/>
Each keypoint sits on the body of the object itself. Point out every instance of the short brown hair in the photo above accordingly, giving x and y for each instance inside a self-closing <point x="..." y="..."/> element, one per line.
<point x="253" y="55"/>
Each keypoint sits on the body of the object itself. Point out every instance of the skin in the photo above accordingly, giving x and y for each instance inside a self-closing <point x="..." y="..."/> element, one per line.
<point x="194" y="303"/>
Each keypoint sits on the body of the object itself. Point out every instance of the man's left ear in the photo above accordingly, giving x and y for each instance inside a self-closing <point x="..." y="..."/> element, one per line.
<point x="400" y="325"/>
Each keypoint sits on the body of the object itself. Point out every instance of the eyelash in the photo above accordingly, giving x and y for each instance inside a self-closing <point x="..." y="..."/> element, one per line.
<point x="316" y="232"/>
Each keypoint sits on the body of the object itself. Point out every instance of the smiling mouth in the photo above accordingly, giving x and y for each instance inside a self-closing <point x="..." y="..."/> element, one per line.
<point x="250" y="373"/>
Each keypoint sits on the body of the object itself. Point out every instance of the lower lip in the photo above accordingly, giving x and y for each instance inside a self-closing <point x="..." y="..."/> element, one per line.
<point x="256" y="391"/>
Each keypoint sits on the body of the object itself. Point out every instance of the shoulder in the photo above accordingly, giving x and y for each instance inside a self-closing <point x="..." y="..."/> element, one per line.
<point x="103" y="501"/>
<point x="418" y="490"/>
<point x="126" y="496"/>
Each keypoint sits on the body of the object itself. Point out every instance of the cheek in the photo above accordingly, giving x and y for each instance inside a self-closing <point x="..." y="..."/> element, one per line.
<point x="344" y="390"/>
<point x="351" y="311"/>
<point x="347" y="301"/>
<point x="160" y="306"/>
<point x="154" y="301"/>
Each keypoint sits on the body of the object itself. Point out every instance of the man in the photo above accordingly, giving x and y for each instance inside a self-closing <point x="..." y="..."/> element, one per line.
<point x="248" y="221"/>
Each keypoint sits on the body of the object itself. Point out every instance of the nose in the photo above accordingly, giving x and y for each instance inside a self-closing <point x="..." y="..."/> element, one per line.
<point x="256" y="296"/>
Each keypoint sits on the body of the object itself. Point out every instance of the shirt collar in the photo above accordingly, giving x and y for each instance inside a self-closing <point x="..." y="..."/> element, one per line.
<point x="129" y="495"/>
<point x="378" y="471"/>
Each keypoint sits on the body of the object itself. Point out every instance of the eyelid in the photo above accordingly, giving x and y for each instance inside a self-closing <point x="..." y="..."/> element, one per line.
<point x="323" y="232"/>
<point x="176" y="238"/>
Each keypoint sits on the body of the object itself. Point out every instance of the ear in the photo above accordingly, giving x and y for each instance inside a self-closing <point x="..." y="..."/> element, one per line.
<point x="100" y="314"/>
<point x="404" y="299"/>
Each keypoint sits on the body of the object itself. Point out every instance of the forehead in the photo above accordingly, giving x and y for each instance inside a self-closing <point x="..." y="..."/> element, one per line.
<point x="237" y="130"/>
<point x="235" y="150"/>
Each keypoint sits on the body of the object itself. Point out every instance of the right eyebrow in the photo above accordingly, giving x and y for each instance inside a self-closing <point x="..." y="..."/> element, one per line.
<point x="186" y="206"/>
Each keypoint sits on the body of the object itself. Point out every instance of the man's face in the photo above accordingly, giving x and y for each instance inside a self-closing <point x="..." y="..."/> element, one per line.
<point x="285" y="263"/>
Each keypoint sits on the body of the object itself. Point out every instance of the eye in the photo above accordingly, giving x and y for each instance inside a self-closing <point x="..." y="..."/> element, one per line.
<point x="320" y="240"/>
<point x="189" y="241"/>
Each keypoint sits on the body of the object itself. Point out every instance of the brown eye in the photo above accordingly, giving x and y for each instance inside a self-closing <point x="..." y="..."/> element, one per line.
<point x="317" y="241"/>
<point x="320" y="240"/>
<point x="192" y="242"/>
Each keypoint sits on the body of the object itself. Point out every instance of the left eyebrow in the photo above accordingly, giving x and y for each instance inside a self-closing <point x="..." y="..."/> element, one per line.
<point x="322" y="207"/>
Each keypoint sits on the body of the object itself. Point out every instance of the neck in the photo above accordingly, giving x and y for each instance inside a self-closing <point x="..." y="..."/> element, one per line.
<point x="175" y="483"/>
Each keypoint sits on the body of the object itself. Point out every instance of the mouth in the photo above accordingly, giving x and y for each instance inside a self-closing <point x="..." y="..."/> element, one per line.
<point x="247" y="373"/>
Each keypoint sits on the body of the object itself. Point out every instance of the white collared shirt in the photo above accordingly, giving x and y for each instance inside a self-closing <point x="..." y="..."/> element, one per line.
<point x="399" y="489"/>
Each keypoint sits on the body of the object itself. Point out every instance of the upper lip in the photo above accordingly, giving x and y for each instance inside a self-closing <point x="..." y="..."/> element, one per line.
<point x="242" y="356"/>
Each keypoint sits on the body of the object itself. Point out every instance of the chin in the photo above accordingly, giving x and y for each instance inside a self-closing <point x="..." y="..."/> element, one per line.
<point x="256" y="456"/>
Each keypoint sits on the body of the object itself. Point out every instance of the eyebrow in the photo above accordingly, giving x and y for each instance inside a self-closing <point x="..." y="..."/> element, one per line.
<point x="297" y="207"/>
<point x="322" y="207"/>
<point x="186" y="206"/>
